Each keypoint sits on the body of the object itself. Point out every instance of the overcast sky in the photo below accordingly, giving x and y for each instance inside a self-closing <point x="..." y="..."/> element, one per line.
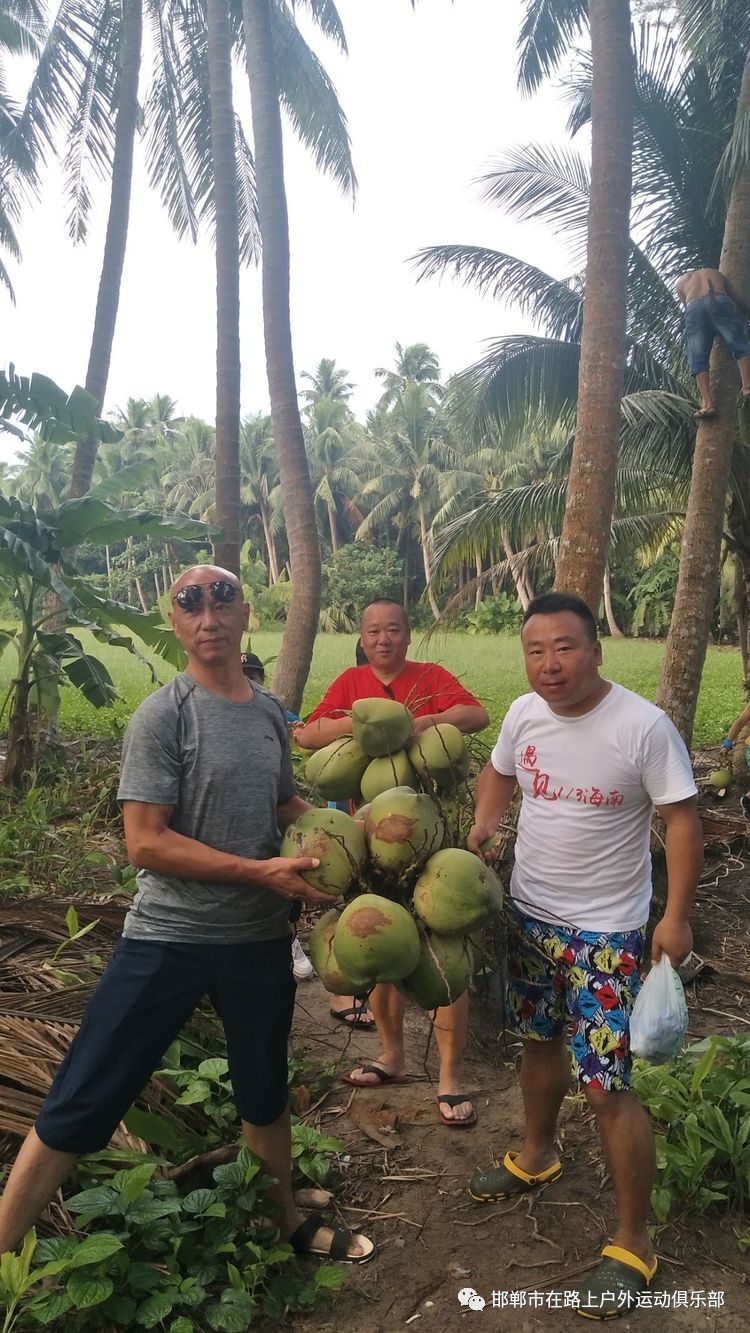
<point x="431" y="99"/>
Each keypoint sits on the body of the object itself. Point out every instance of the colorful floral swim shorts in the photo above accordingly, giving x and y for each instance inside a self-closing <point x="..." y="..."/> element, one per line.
<point x="556" y="973"/>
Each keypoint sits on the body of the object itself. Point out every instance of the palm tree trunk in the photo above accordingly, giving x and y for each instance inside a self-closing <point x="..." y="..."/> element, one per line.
<point x="698" y="578"/>
<point x="219" y="47"/>
<point x="332" y="526"/>
<point x="480" y="588"/>
<point x="426" y="562"/>
<point x="273" y="563"/>
<point x="591" y="485"/>
<point x="612" y="624"/>
<point x="294" y="660"/>
<point x="517" y="573"/>
<point x="108" y="297"/>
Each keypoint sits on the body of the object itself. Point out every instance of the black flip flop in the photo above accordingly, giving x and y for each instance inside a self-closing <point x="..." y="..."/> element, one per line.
<point x="301" y="1242"/>
<point x="381" y="1075"/>
<point x="454" y="1099"/>
<point x="351" y="1017"/>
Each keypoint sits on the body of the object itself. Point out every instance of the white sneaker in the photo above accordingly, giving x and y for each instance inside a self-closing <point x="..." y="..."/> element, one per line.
<point x="302" y="968"/>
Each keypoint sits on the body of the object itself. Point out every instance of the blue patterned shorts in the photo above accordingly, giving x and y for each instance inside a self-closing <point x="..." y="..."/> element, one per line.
<point x="556" y="974"/>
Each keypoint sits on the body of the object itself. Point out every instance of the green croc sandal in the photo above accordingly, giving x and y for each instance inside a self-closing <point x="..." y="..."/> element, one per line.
<point x="508" y="1180"/>
<point x="613" y="1287"/>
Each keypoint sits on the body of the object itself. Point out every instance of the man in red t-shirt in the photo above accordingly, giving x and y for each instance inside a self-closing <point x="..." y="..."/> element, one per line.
<point x="431" y="694"/>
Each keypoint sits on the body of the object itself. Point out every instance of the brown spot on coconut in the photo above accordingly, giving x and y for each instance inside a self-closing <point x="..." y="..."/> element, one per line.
<point x="403" y="829"/>
<point x="376" y="940"/>
<point x="323" y="957"/>
<point x="338" y="842"/>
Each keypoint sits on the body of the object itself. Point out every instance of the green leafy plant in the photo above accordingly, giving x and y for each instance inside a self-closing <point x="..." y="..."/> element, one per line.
<point x="494" y="615"/>
<point x="206" y="1258"/>
<point x="652" y="596"/>
<point x="355" y="575"/>
<point x="702" y="1101"/>
<point x="36" y="564"/>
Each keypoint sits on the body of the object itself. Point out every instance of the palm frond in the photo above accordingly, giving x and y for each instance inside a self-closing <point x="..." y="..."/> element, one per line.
<point x="544" y="183"/>
<point x="734" y="160"/>
<point x="548" y="30"/>
<point x="162" y="114"/>
<point x="309" y="99"/>
<point x="552" y="303"/>
<point x="325" y="14"/>
<point x="520" y="382"/>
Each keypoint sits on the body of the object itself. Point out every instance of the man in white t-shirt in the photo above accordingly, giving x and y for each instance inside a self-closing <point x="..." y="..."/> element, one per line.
<point x="592" y="759"/>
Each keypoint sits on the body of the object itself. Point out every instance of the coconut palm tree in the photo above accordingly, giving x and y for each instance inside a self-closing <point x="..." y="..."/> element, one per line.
<point x="330" y="436"/>
<point x="528" y="383"/>
<point x="327" y="381"/>
<point x="263" y="69"/>
<point x="411" y="458"/>
<point x="43" y="473"/>
<point x="415" y="364"/>
<point x="591" y="485"/>
<point x="21" y="26"/>
<point x="260" y="483"/>
<point x="704" y="523"/>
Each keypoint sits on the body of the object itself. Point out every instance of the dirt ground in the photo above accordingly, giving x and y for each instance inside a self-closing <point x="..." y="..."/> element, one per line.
<point x="405" y="1175"/>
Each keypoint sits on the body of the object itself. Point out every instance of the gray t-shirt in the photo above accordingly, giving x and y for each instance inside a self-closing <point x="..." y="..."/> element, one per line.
<point x="224" y="767"/>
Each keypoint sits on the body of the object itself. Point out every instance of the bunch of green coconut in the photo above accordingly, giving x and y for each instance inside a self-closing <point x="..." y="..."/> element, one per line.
<point x="414" y="901"/>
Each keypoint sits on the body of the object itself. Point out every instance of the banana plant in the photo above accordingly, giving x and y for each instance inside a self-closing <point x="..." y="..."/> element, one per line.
<point x="42" y="576"/>
<point x="54" y="415"/>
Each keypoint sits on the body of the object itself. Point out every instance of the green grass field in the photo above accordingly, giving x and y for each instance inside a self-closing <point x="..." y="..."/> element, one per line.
<point x="490" y="666"/>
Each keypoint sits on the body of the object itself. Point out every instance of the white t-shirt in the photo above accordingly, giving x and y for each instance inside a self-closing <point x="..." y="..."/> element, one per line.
<point x="589" y="783"/>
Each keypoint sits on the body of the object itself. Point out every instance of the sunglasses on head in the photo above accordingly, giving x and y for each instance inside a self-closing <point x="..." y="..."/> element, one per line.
<point x="190" y="598"/>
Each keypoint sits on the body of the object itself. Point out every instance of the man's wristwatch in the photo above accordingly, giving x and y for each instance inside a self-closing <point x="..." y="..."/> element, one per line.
<point x="726" y="744"/>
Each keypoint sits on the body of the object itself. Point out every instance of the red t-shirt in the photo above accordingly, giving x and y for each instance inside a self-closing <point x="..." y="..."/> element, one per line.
<point x="424" y="687"/>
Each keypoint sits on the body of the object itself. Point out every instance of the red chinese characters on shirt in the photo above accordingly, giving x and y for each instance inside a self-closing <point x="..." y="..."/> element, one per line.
<point x="541" y="790"/>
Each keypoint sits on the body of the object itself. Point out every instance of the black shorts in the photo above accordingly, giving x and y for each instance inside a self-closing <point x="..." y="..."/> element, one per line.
<point x="147" y="992"/>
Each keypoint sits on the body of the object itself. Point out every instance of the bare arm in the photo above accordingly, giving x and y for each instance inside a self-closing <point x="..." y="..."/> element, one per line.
<point x="684" y="848"/>
<point x="494" y="794"/>
<point x="288" y="811"/>
<point x="467" y="717"/>
<point x="323" y="731"/>
<point x="680" y="289"/>
<point x="153" y="845"/>
<point x="738" y="724"/>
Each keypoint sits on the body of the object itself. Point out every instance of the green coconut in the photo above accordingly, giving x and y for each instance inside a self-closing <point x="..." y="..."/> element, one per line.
<point x="439" y="755"/>
<point x="324" y="959"/>
<point x="456" y="892"/>
<point x="376" y="940"/>
<point x="444" y="970"/>
<point x="335" y="771"/>
<point x="381" y="726"/>
<point x="391" y="770"/>
<point x="403" y="829"/>
<point x="338" y="842"/>
<point x="721" y="777"/>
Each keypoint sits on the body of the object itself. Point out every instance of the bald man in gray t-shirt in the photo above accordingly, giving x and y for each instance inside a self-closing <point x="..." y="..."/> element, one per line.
<point x="206" y="790"/>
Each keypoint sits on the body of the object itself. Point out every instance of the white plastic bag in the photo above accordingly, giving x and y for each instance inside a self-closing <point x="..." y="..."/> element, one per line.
<point x="659" y="1020"/>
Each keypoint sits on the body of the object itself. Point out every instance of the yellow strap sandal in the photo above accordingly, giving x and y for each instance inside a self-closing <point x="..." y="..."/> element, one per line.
<point x="508" y="1180"/>
<point x="613" y="1287"/>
